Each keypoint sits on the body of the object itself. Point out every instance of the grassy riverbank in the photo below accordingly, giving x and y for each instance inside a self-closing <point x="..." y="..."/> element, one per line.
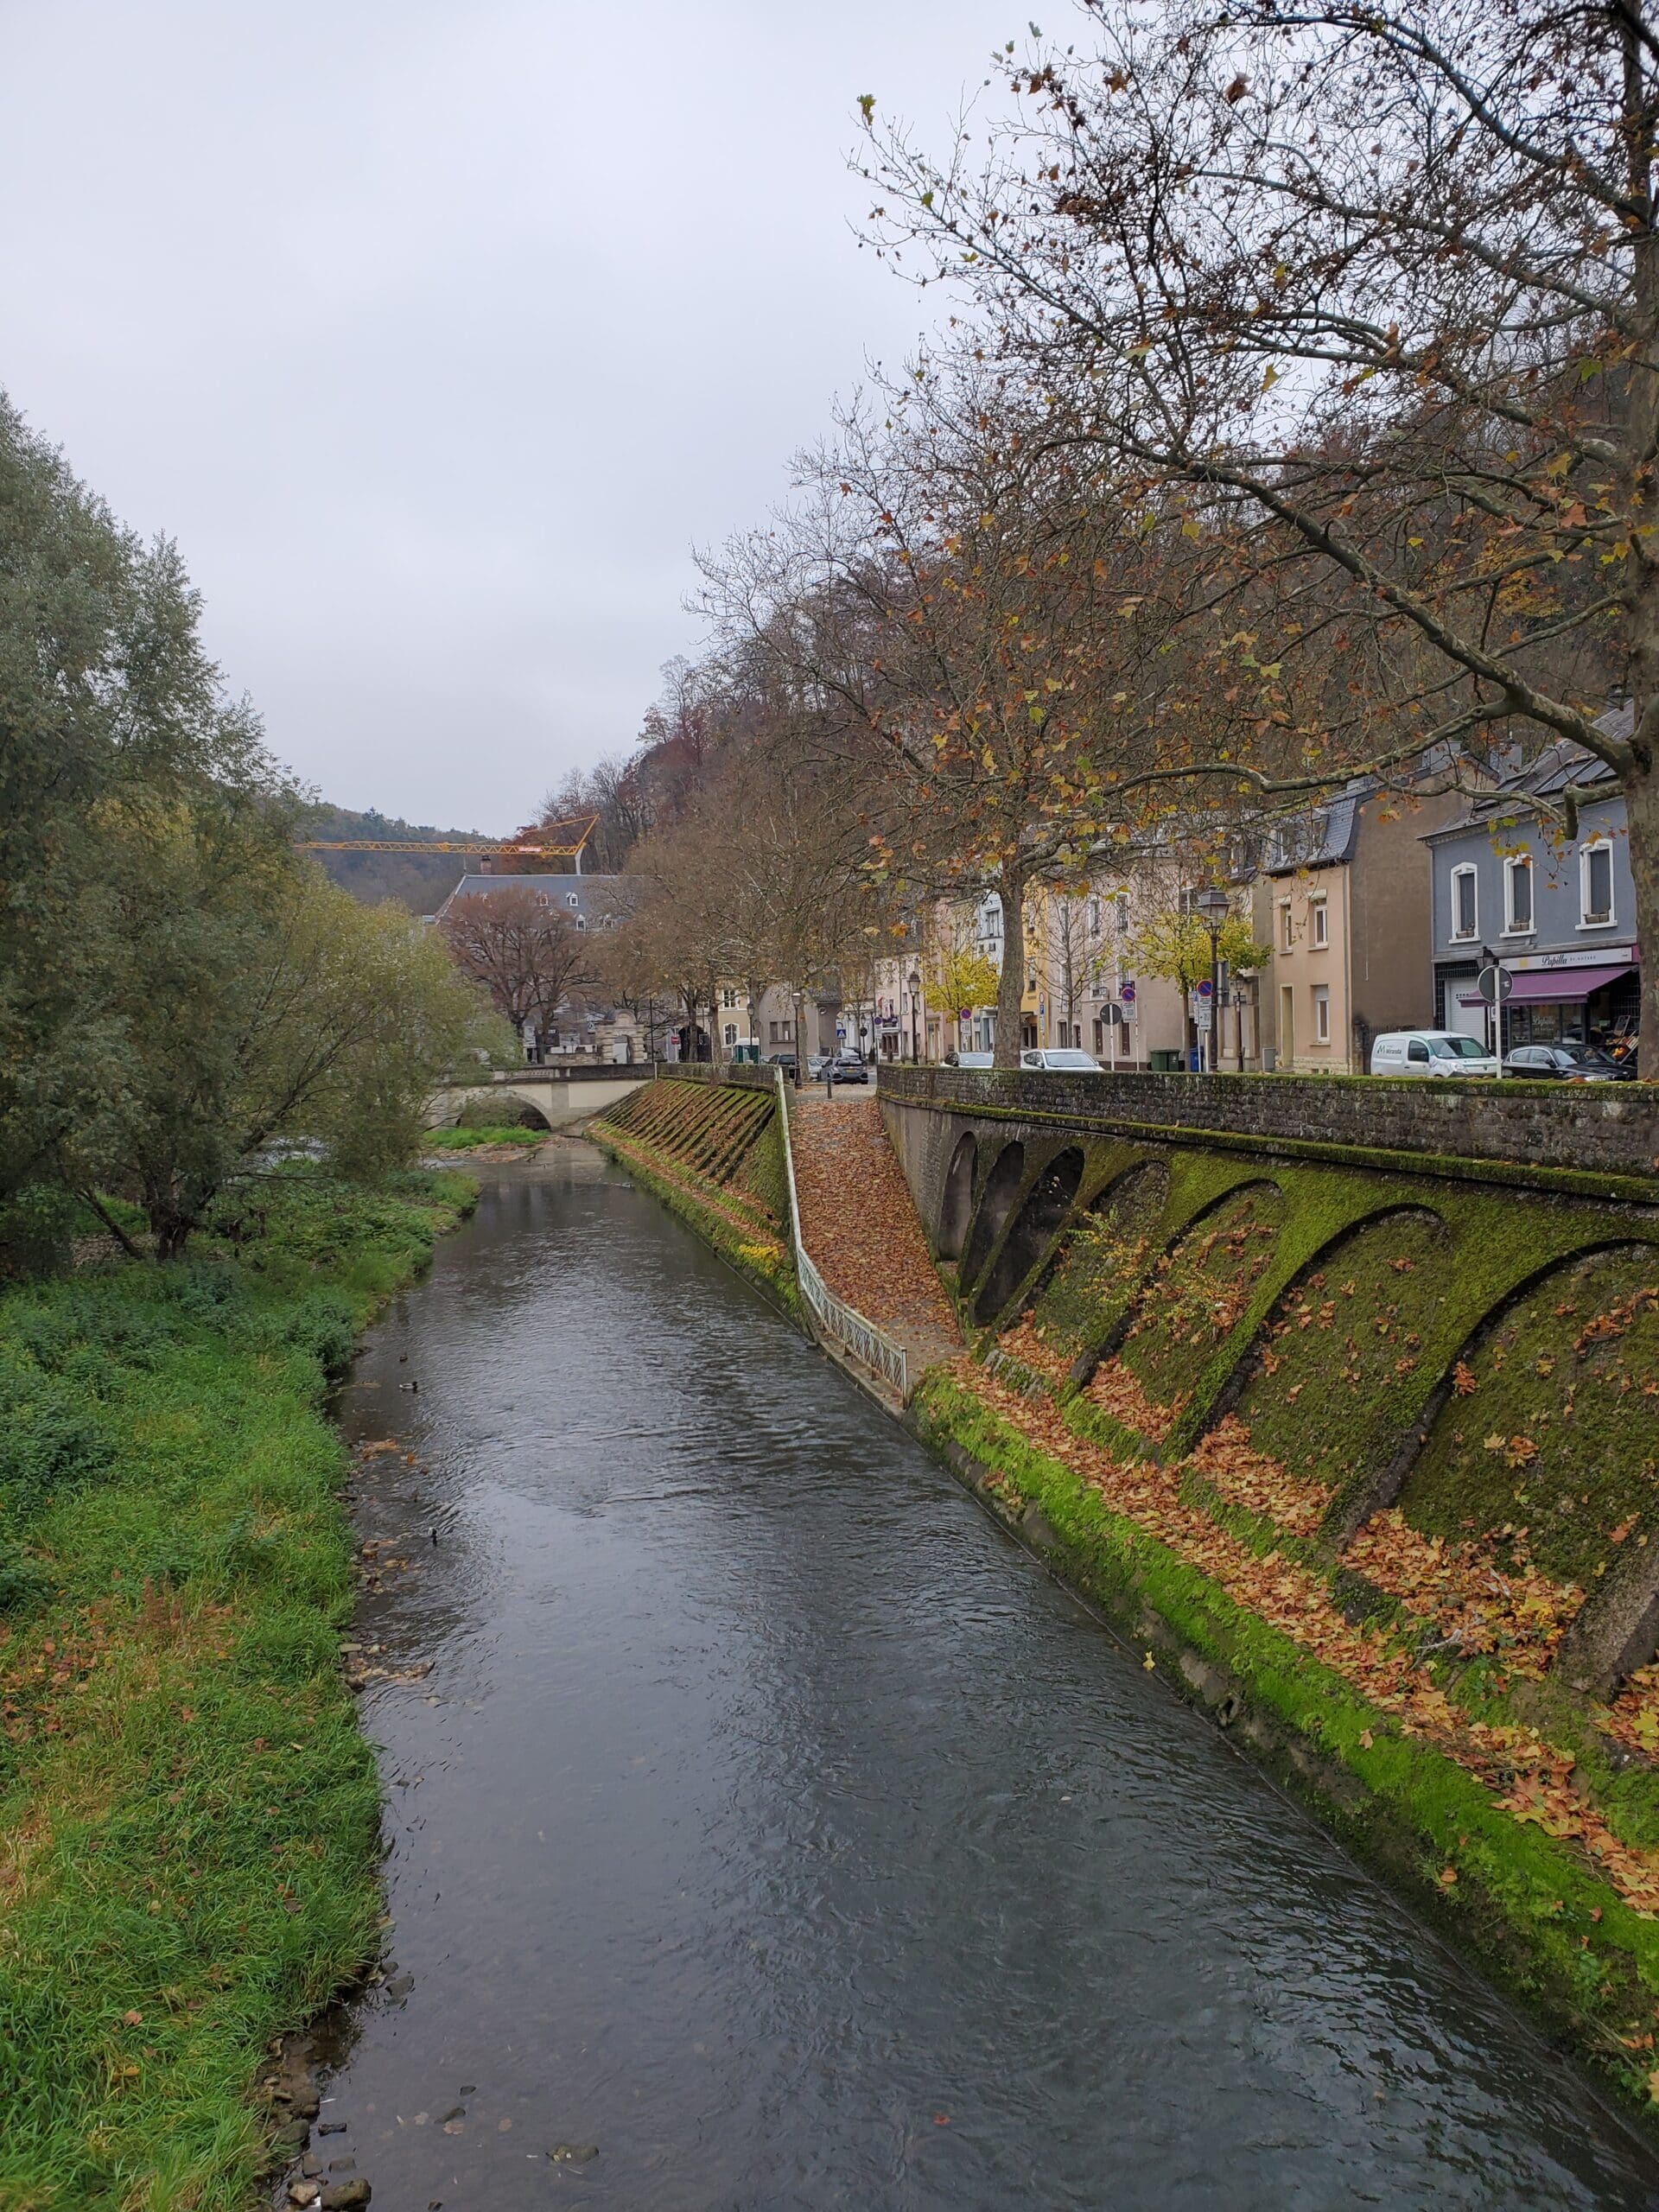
<point x="188" y="1814"/>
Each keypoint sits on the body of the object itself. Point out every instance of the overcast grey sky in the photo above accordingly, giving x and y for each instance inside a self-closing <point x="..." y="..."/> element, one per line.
<point x="437" y="331"/>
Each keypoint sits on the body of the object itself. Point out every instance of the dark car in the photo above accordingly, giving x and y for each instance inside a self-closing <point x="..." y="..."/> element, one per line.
<point x="1566" y="1063"/>
<point x="784" y="1060"/>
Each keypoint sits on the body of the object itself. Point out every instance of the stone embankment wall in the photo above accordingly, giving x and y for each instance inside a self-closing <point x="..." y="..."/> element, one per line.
<point x="712" y="1149"/>
<point x="1362" y="1439"/>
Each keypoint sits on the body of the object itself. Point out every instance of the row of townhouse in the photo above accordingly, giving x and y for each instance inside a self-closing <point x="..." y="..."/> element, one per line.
<point x="1377" y="913"/>
<point x="1379" y="910"/>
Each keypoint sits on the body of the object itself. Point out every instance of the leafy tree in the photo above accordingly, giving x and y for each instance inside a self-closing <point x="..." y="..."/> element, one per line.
<point x="1176" y="948"/>
<point x="110" y="714"/>
<point x="962" y="977"/>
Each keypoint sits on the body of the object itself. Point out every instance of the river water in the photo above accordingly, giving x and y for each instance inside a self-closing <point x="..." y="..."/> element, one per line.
<point x="770" y="1824"/>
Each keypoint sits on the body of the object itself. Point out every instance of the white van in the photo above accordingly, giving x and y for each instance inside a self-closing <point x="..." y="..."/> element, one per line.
<point x="1430" y="1051"/>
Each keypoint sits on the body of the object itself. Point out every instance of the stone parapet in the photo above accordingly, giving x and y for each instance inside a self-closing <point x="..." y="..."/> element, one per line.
<point x="1596" y="1129"/>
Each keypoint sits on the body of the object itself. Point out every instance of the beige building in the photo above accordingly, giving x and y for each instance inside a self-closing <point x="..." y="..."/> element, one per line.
<point x="1344" y="898"/>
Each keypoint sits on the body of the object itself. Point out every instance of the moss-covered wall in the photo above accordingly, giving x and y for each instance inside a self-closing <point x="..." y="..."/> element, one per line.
<point x="1374" y="1455"/>
<point x="714" y="1154"/>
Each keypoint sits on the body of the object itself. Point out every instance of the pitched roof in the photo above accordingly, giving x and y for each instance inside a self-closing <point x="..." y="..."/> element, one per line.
<point x="1563" y="761"/>
<point x="1323" y="837"/>
<point x="591" y="899"/>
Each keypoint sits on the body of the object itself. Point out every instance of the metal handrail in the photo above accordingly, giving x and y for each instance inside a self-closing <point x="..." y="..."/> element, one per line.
<point x="873" y="1346"/>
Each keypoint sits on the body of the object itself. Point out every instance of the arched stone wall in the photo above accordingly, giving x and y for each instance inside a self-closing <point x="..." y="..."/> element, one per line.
<point x="1031" y="1238"/>
<point x="956" y="1207"/>
<point x="996" y="1204"/>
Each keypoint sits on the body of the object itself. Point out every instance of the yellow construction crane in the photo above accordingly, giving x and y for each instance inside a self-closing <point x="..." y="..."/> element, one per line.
<point x="552" y="846"/>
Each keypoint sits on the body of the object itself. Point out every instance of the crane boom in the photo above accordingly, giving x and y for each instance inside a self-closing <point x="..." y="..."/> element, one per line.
<point x="552" y="846"/>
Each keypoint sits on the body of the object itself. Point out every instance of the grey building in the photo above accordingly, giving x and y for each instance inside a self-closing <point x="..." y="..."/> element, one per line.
<point x="1559" y="914"/>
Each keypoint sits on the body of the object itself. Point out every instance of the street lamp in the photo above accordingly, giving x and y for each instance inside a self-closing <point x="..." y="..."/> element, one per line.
<point x="1213" y="907"/>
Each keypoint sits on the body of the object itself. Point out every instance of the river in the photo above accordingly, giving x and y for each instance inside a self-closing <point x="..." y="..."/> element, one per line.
<point x="769" y="1824"/>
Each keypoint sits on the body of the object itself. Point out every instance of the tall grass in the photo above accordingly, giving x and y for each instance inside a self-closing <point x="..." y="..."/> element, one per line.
<point x="188" y="1814"/>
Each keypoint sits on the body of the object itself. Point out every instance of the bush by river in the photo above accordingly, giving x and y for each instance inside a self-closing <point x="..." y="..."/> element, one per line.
<point x="188" y="1813"/>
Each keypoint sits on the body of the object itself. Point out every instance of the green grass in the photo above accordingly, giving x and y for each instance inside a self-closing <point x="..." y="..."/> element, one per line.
<point x="188" y="1814"/>
<point x="468" y="1140"/>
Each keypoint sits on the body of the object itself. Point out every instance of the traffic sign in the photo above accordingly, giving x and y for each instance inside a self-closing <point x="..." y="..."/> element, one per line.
<point x="1494" y="984"/>
<point x="1202" y="988"/>
<point x="1127" y="995"/>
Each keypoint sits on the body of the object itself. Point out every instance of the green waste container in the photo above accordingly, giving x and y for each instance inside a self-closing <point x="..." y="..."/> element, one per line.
<point x="1165" y="1062"/>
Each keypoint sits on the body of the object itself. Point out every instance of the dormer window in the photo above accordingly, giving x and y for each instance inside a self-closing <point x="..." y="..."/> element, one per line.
<point x="571" y="900"/>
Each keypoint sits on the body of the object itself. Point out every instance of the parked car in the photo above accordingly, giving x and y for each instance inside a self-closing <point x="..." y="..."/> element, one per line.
<point x="970" y="1059"/>
<point x="784" y="1060"/>
<point x="1568" y="1063"/>
<point x="849" y="1067"/>
<point x="1061" y="1059"/>
<point x="1430" y="1052"/>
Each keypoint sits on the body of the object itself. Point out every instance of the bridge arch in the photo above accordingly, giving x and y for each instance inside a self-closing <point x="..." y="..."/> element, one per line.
<point x="1035" y="1227"/>
<point x="956" y="1207"/>
<point x="996" y="1204"/>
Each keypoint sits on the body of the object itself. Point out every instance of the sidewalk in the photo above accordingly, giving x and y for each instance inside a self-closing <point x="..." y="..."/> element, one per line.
<point x="861" y="1228"/>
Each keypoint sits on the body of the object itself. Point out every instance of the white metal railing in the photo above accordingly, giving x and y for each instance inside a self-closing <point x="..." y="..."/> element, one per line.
<point x="867" y="1344"/>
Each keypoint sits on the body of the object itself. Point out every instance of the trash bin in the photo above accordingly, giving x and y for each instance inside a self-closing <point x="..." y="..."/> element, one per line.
<point x="1165" y="1063"/>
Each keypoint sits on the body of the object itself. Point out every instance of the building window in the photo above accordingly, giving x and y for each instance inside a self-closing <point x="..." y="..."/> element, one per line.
<point x="1320" y="914"/>
<point x="781" y="1032"/>
<point x="731" y="1032"/>
<point x="1094" y="917"/>
<point x="728" y="995"/>
<point x="1518" y="896"/>
<point x="1596" y="886"/>
<point x="1286" y="931"/>
<point x="572" y="899"/>
<point x="1321" y="1014"/>
<point x="1465" y="909"/>
<point x="1121" y="902"/>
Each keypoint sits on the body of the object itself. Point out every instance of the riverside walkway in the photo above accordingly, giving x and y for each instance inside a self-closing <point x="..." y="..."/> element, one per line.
<point x="858" y="1221"/>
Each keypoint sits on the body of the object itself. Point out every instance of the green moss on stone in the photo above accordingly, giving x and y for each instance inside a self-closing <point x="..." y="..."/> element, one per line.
<point x="1559" y="1434"/>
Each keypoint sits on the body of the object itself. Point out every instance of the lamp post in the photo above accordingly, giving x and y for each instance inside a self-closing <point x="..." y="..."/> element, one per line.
<point x="1213" y="907"/>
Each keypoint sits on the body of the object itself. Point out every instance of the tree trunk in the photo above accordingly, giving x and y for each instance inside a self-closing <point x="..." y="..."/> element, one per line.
<point x="1011" y="985"/>
<point x="1642" y="819"/>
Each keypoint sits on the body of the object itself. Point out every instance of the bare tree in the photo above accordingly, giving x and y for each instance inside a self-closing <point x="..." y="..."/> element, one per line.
<point x="1369" y="292"/>
<point x="956" y="593"/>
<point x="526" y="953"/>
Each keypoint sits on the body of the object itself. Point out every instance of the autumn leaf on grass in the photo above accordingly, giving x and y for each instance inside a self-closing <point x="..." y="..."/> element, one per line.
<point x="1448" y="1876"/>
<point x="1463" y="1380"/>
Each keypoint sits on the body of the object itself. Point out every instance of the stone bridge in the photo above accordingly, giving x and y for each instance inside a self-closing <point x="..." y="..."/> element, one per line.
<point x="562" y="1096"/>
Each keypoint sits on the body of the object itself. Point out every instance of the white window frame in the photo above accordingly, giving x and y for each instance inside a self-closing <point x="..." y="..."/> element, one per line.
<point x="1470" y="934"/>
<point x="1512" y="866"/>
<point x="731" y="1033"/>
<point x="1287" y="927"/>
<point x="1321" y="1014"/>
<point x="1319" y="923"/>
<point x="1609" y="919"/>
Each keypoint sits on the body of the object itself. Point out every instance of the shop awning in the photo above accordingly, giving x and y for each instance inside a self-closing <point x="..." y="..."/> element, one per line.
<point x="1562" y="986"/>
